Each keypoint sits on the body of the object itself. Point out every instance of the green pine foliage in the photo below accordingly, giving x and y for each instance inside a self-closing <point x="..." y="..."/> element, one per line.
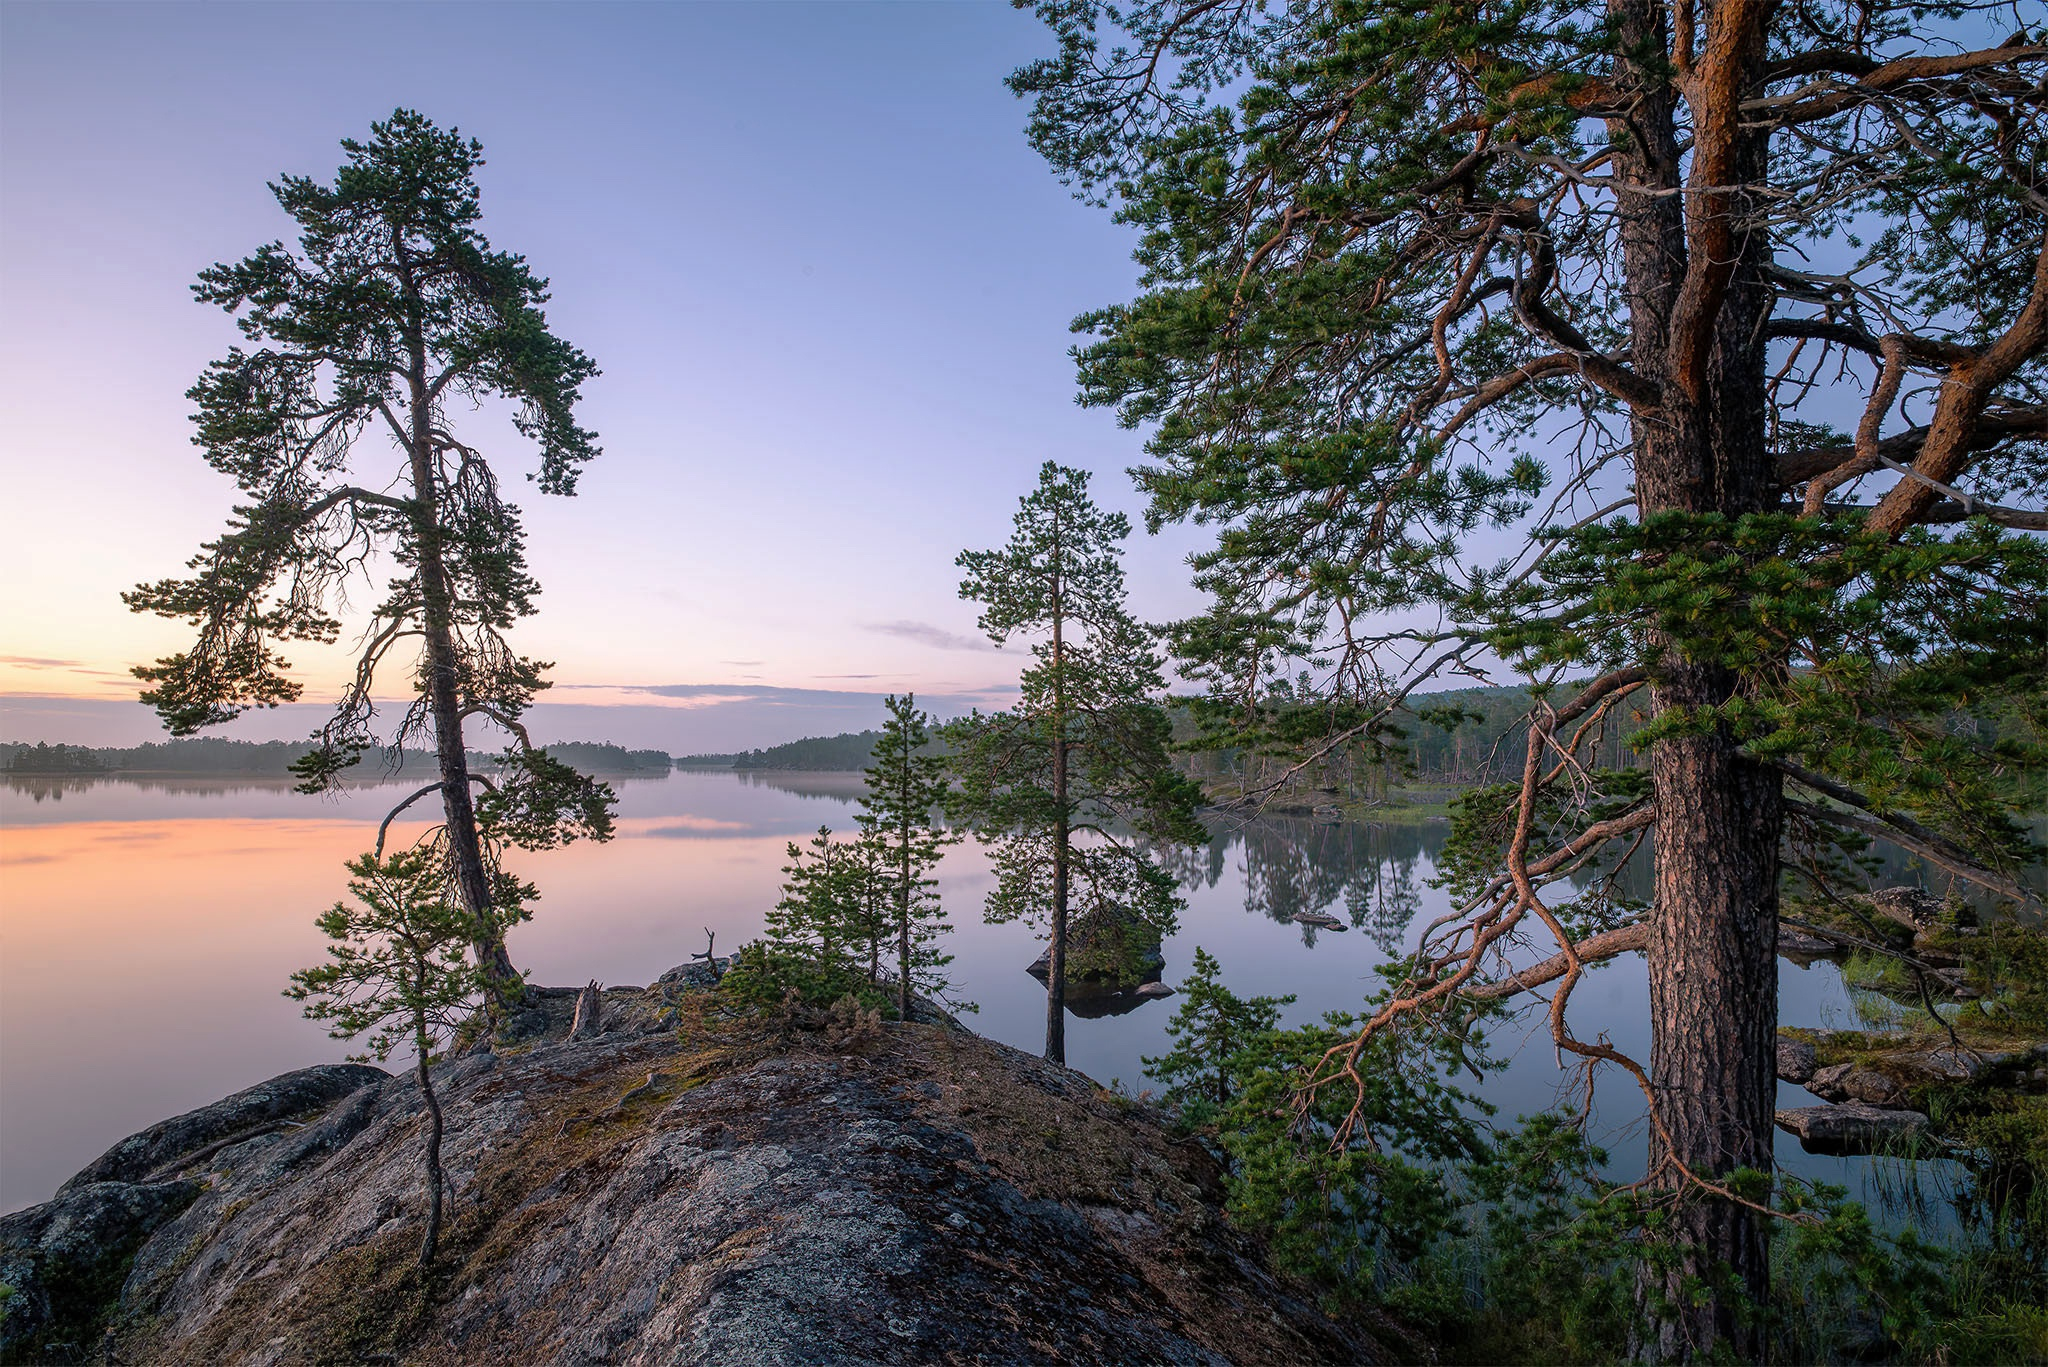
<point x="1527" y="336"/>
<point x="392" y="308"/>
<point x="397" y="971"/>
<point x="902" y="841"/>
<point x="1071" y="788"/>
<point x="1215" y="1033"/>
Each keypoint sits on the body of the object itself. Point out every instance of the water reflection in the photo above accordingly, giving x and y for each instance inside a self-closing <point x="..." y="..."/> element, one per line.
<point x="1371" y="874"/>
<point x="149" y="924"/>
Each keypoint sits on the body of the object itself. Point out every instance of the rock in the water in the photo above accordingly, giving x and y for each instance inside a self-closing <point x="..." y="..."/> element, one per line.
<point x="1320" y="920"/>
<point x="748" y="1194"/>
<point x="1852" y="1127"/>
<point x="1796" y="1060"/>
<point x="63" y="1261"/>
<point x="1111" y="948"/>
<point x="1154" y="989"/>
<point x="1854" y="1082"/>
<point x="1800" y="944"/>
<point x="1910" y="907"/>
<point x="155" y="1151"/>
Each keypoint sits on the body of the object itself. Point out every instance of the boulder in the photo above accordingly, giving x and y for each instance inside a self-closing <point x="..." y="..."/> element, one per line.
<point x="1320" y="920"/>
<point x="157" y="1151"/>
<point x="1800" y="944"/>
<point x="1855" y="1082"/>
<point x="1853" y="1128"/>
<point x="63" y="1263"/>
<point x="1796" y="1060"/>
<point x="1154" y="989"/>
<point x="749" y="1194"/>
<point x="1111" y="948"/>
<point x="1910" y="907"/>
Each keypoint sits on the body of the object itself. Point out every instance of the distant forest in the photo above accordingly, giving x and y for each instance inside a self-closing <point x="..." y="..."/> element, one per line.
<point x="848" y="751"/>
<point x="212" y="755"/>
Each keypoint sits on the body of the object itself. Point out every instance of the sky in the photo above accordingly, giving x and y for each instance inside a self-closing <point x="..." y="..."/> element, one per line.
<point x="828" y="283"/>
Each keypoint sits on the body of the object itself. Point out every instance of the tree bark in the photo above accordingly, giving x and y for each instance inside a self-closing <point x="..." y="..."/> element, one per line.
<point x="432" y="1240"/>
<point x="903" y="902"/>
<point x="437" y="625"/>
<point x="1056" y="951"/>
<point x="1698" y="302"/>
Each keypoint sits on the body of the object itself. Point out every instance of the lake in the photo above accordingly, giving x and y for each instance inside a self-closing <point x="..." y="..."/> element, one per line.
<point x="148" y="926"/>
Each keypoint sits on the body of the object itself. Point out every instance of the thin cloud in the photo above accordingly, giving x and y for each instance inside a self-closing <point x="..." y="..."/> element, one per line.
<point x="925" y="634"/>
<point x="37" y="662"/>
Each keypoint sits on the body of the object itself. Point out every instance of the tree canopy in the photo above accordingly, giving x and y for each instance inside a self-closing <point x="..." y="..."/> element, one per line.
<point x="392" y="307"/>
<point x="1698" y="346"/>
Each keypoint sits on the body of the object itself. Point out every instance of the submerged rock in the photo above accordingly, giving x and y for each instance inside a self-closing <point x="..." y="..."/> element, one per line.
<point x="743" y="1190"/>
<point x="1320" y="920"/>
<point x="1853" y="1128"/>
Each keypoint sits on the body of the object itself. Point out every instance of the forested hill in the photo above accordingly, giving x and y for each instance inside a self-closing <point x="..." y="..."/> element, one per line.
<point x="848" y="751"/>
<point x="213" y="755"/>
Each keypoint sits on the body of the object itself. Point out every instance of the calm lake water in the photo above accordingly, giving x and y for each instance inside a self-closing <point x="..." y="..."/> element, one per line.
<point x="148" y="926"/>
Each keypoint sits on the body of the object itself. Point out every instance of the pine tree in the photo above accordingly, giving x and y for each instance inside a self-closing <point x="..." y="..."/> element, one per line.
<point x="397" y="972"/>
<point x="1519" y="332"/>
<point x="818" y="916"/>
<point x="1084" y="752"/>
<point x="899" y="819"/>
<point x="1210" y="1030"/>
<point x="392" y="307"/>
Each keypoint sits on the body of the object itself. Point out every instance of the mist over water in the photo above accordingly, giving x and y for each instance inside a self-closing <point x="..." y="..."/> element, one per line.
<point x="148" y="927"/>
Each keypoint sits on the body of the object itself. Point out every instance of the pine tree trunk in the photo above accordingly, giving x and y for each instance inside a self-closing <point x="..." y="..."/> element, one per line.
<point x="437" y="624"/>
<point x="432" y="1240"/>
<point x="1056" y="951"/>
<point x="1702" y="449"/>
<point x="903" y="930"/>
<point x="1713" y="1009"/>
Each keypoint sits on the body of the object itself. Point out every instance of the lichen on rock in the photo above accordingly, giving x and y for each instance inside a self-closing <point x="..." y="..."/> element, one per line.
<point x="738" y="1189"/>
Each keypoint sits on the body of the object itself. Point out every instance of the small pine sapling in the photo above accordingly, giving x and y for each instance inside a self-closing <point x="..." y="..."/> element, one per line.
<point x="398" y="971"/>
<point x="899" y="819"/>
<point x="1211" y="1031"/>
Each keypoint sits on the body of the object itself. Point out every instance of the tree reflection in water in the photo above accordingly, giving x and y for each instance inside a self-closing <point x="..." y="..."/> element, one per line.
<point x="1294" y="865"/>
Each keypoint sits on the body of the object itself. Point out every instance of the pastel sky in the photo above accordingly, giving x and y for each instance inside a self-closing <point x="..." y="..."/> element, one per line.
<point x="828" y="283"/>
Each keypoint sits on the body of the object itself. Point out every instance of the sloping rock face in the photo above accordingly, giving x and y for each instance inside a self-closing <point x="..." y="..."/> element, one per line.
<point x="742" y="1189"/>
<point x="63" y="1262"/>
<point x="142" y="1156"/>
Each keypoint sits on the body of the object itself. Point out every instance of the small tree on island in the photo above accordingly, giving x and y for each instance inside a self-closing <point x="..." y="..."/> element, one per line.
<point x="906" y="786"/>
<point x="398" y="972"/>
<point x="1084" y="753"/>
<point x="393" y="305"/>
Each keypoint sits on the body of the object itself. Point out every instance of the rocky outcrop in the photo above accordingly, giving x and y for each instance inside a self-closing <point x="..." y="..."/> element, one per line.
<point x="158" y="1150"/>
<point x="1854" y="1128"/>
<point x="62" y="1263"/>
<point x="1797" y="1060"/>
<point x="778" y="1187"/>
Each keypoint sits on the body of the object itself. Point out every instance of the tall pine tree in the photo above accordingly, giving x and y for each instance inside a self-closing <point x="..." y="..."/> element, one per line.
<point x="1695" y="345"/>
<point x="1070" y="784"/>
<point x="392" y="308"/>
